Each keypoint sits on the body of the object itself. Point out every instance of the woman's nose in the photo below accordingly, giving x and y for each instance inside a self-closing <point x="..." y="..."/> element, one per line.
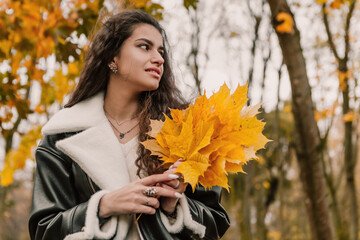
<point x="157" y="58"/>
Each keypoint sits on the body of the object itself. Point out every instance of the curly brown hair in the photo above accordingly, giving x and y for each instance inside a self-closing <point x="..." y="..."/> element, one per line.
<point x="95" y="76"/>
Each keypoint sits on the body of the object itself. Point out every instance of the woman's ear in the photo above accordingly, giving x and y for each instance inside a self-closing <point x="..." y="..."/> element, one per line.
<point x="113" y="61"/>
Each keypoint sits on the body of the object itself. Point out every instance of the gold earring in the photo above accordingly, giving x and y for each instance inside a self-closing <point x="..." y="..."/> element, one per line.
<point x="113" y="67"/>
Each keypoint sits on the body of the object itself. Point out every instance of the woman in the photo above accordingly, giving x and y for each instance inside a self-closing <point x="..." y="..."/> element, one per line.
<point x="93" y="179"/>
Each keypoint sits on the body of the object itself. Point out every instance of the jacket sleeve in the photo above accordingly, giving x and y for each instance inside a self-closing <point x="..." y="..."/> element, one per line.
<point x="199" y="215"/>
<point x="56" y="211"/>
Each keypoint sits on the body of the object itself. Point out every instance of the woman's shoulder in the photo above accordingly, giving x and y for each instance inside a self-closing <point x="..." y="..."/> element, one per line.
<point x="49" y="140"/>
<point x="48" y="144"/>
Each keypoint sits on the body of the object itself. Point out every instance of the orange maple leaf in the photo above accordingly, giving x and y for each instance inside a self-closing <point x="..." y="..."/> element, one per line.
<point x="286" y="23"/>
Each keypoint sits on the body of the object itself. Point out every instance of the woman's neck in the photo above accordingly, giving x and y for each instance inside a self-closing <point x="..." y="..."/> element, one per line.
<point x="120" y="102"/>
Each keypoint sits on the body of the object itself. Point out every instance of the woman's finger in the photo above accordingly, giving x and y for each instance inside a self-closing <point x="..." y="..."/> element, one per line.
<point x="176" y="164"/>
<point x="144" y="209"/>
<point x="152" y="202"/>
<point x="157" y="178"/>
<point x="160" y="192"/>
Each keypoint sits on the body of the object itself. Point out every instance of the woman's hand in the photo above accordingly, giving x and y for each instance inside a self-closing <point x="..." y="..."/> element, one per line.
<point x="168" y="204"/>
<point x="132" y="199"/>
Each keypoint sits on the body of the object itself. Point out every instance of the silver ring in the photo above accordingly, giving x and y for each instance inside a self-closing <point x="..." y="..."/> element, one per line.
<point x="147" y="201"/>
<point x="150" y="192"/>
<point x="177" y="184"/>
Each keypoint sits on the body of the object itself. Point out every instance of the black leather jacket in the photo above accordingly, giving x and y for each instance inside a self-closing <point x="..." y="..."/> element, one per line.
<point x="62" y="190"/>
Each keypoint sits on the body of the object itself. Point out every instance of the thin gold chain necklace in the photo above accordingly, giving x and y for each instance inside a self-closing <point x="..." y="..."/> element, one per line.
<point x="122" y="134"/>
<point x="117" y="122"/>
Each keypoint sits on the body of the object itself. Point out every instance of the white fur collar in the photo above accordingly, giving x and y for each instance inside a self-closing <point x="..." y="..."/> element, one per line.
<point x="81" y="116"/>
<point x="96" y="149"/>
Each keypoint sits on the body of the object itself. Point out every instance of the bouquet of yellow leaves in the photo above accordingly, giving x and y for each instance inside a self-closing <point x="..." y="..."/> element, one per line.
<point x="214" y="136"/>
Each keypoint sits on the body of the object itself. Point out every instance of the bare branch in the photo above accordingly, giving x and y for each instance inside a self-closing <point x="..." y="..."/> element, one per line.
<point x="328" y="33"/>
<point x="347" y="27"/>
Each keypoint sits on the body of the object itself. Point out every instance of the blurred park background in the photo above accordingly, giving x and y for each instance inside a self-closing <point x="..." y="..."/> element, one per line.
<point x="299" y="57"/>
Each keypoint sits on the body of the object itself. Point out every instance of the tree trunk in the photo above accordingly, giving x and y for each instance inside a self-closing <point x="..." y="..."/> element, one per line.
<point x="261" y="210"/>
<point x="307" y="137"/>
<point x="349" y="162"/>
<point x="244" y="214"/>
<point x="349" y="158"/>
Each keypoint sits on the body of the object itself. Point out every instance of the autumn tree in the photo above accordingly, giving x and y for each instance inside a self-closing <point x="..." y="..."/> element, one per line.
<point x="307" y="133"/>
<point x="344" y="74"/>
<point x="42" y="45"/>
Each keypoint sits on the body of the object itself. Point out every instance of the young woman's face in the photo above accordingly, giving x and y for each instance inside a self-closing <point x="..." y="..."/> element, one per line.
<point x="140" y="61"/>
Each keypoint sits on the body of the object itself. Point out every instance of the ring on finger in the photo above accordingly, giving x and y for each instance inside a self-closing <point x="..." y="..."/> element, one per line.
<point x="177" y="184"/>
<point x="150" y="192"/>
<point x="147" y="201"/>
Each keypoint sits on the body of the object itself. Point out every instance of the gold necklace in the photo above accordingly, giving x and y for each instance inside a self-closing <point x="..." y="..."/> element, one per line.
<point x="118" y="123"/>
<point x="122" y="134"/>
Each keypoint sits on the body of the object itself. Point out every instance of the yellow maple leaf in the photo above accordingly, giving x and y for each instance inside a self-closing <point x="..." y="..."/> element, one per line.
<point x="286" y="23"/>
<point x="155" y="128"/>
<point x="250" y="111"/>
<point x="154" y="147"/>
<point x="234" y="167"/>
<point x="215" y="175"/>
<point x="193" y="168"/>
<point x="170" y="127"/>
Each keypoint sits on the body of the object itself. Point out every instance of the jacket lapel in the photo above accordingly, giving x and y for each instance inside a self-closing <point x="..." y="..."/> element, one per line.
<point x="96" y="148"/>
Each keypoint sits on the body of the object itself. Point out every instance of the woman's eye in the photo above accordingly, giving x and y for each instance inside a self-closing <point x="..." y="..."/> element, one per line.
<point x="144" y="46"/>
<point x="161" y="53"/>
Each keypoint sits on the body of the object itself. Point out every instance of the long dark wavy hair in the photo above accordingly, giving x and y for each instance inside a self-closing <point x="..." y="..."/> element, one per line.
<point x="95" y="75"/>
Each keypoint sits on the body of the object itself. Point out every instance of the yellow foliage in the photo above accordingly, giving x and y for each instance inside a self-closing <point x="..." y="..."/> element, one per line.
<point x="287" y="108"/>
<point x="214" y="136"/>
<point x="15" y="159"/>
<point x="15" y="62"/>
<point x="274" y="235"/>
<point x="73" y="68"/>
<point x="266" y="185"/>
<point x="321" y="1"/>
<point x="343" y="76"/>
<point x="63" y="85"/>
<point x="140" y="3"/>
<point x="349" y="116"/>
<point x="233" y="34"/>
<point x="39" y="109"/>
<point x="5" y="46"/>
<point x="6" y="176"/>
<point x="287" y="23"/>
<point x="323" y="114"/>
<point x="336" y="4"/>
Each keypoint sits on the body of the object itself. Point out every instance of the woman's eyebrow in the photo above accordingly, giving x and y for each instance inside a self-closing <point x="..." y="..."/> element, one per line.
<point x="149" y="42"/>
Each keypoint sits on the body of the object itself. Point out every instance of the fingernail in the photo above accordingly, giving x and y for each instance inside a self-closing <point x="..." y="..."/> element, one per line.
<point x="173" y="176"/>
<point x="171" y="166"/>
<point x="178" y="195"/>
<point x="180" y="159"/>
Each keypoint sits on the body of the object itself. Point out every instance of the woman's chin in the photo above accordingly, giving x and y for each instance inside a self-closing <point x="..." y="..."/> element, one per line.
<point x="152" y="87"/>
